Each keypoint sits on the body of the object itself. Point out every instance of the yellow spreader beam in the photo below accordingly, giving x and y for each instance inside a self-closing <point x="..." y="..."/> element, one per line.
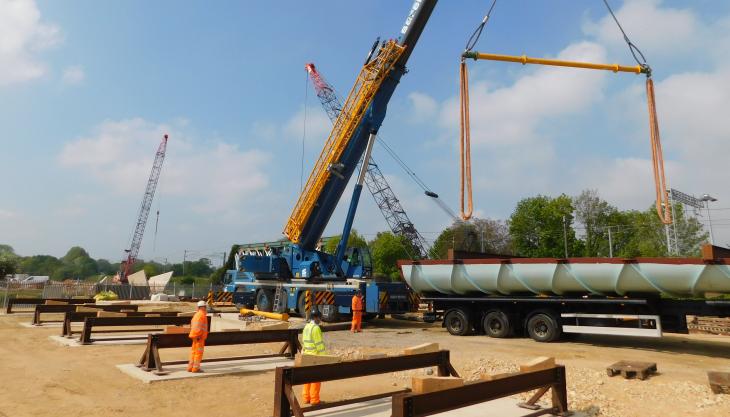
<point x="636" y="69"/>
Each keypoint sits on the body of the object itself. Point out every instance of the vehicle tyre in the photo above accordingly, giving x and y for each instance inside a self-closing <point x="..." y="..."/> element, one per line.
<point x="330" y="313"/>
<point x="300" y="304"/>
<point x="265" y="300"/>
<point x="497" y="324"/>
<point x="369" y="316"/>
<point x="543" y="327"/>
<point x="457" y="323"/>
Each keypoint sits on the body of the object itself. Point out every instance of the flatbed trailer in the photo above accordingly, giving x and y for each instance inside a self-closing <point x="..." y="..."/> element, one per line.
<point x="547" y="297"/>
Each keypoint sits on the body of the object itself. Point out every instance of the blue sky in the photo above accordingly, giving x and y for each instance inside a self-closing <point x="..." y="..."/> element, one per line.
<point x="87" y="88"/>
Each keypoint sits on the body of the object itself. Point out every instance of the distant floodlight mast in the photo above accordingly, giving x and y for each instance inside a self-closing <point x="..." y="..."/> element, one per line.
<point x="707" y="199"/>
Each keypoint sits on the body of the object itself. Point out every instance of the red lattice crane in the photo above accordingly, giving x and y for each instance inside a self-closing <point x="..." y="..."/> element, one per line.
<point x="144" y="211"/>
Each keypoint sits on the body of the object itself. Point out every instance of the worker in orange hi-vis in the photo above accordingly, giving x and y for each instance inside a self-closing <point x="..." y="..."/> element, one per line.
<point x="356" y="312"/>
<point x="198" y="332"/>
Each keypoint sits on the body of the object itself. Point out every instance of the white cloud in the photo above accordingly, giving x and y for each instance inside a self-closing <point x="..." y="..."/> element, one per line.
<point x="73" y="75"/>
<point x="318" y="126"/>
<point x="22" y="35"/>
<point x="656" y="29"/>
<point x="511" y="115"/>
<point x="424" y="107"/>
<point x="119" y="155"/>
<point x="7" y="214"/>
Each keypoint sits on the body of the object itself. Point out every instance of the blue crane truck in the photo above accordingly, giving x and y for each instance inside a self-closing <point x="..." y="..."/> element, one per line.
<point x="275" y="276"/>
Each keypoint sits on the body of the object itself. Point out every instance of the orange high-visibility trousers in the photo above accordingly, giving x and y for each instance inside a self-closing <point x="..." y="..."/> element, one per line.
<point x="196" y="354"/>
<point x="310" y="393"/>
<point x="356" y="321"/>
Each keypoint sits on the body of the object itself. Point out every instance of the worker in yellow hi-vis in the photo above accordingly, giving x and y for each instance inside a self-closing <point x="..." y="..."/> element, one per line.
<point x="312" y="344"/>
<point x="198" y="332"/>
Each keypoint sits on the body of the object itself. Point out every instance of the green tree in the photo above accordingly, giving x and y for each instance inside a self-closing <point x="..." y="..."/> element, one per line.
<point x="540" y="226"/>
<point x="8" y="261"/>
<point x="77" y="264"/>
<point x="354" y="241"/>
<point x="476" y="235"/>
<point x="39" y="265"/>
<point x="386" y="249"/>
<point x="594" y="214"/>
<point x="105" y="267"/>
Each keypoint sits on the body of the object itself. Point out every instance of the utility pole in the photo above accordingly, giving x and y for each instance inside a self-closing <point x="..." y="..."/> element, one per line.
<point x="610" y="243"/>
<point x="707" y="198"/>
<point x="565" y="236"/>
<point x="185" y="255"/>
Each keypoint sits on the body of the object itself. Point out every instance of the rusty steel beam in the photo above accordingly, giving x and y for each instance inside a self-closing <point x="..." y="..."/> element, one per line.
<point x="414" y="405"/>
<point x="76" y="317"/>
<point x="91" y="322"/>
<point x="36" y="301"/>
<point x="56" y="308"/>
<point x="286" y="404"/>
<point x="151" y="357"/>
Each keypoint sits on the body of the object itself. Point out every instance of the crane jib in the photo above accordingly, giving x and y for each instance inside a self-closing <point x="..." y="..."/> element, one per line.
<point x="320" y="197"/>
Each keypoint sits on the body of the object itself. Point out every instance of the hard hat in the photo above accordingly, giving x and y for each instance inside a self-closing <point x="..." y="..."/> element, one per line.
<point x="202" y="303"/>
<point x="315" y="313"/>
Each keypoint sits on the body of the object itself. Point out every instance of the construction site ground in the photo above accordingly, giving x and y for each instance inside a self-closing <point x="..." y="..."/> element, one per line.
<point x="41" y="377"/>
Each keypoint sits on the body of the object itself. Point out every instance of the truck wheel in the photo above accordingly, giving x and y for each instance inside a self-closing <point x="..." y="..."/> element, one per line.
<point x="330" y="313"/>
<point x="300" y="304"/>
<point x="542" y="327"/>
<point x="265" y="300"/>
<point x="496" y="324"/>
<point x="457" y="323"/>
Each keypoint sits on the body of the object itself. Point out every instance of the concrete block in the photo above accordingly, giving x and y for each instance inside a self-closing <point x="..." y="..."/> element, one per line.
<point x="186" y="314"/>
<point x="56" y="303"/>
<point x="177" y="329"/>
<point x="110" y="314"/>
<point x="424" y="384"/>
<point x="538" y="364"/>
<point x="424" y="348"/>
<point x="84" y="309"/>
<point x="309" y="360"/>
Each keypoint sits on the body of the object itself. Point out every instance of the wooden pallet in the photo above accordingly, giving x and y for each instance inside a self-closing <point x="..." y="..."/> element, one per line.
<point x="713" y="325"/>
<point x="631" y="369"/>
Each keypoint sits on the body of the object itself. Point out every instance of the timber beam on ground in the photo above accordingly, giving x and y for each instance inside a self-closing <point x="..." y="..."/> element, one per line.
<point x="60" y="308"/>
<point x="71" y="317"/>
<point x="150" y="359"/>
<point x="444" y="401"/>
<point x="134" y="321"/>
<point x="36" y="301"/>
<point x="286" y="403"/>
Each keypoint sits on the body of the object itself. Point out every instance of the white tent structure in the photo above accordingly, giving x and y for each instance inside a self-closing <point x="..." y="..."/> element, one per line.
<point x="158" y="282"/>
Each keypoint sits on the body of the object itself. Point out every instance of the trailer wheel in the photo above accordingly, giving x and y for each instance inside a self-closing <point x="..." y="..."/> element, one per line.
<point x="542" y="327"/>
<point x="330" y="313"/>
<point x="265" y="300"/>
<point x="457" y="322"/>
<point x="301" y="308"/>
<point x="497" y="324"/>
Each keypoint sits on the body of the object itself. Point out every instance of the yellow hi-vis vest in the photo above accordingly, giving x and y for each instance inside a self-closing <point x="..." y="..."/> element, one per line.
<point x="312" y="341"/>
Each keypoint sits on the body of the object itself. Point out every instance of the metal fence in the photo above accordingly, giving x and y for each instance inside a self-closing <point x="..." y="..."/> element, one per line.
<point x="55" y="289"/>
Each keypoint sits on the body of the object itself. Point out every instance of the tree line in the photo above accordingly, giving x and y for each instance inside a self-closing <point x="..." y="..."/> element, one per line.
<point x="76" y="264"/>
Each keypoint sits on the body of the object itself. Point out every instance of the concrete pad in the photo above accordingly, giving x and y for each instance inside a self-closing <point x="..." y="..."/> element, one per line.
<point x="109" y="340"/>
<point x="503" y="407"/>
<point x="210" y="369"/>
<point x="42" y="325"/>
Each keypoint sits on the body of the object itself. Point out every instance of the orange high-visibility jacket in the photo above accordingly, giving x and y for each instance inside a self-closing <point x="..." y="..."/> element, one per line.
<point x="199" y="326"/>
<point x="356" y="303"/>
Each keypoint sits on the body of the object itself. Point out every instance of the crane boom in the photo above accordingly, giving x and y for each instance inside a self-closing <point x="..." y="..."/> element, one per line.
<point x="361" y="116"/>
<point x="376" y="182"/>
<point x="144" y="211"/>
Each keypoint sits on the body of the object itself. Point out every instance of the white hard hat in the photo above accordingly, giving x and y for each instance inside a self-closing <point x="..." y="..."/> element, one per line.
<point x="202" y="303"/>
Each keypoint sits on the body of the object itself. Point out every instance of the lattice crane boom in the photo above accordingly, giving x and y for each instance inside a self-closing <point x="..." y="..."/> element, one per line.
<point x="144" y="211"/>
<point x="376" y="182"/>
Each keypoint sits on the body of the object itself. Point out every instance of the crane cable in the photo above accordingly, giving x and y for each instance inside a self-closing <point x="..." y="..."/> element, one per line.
<point x="466" y="200"/>
<point x="663" y="204"/>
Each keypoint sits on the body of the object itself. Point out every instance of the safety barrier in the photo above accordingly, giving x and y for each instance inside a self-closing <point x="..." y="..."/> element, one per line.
<point x="151" y="357"/>
<point x="91" y="322"/>
<point x="12" y="302"/>
<point x="286" y="403"/>
<point x="55" y="308"/>
<point x="443" y="401"/>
